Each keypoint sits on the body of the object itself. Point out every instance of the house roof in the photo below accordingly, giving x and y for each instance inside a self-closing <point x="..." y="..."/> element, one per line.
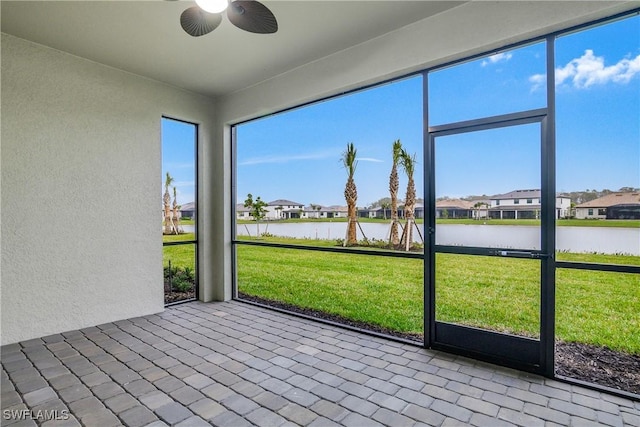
<point x="612" y="200"/>
<point x="523" y="194"/>
<point x="518" y="194"/>
<point x="337" y="208"/>
<point x="284" y="202"/>
<point x="191" y="206"/>
<point x="454" y="204"/>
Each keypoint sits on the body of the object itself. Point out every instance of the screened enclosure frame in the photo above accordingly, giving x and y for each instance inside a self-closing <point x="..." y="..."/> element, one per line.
<point x="546" y="117"/>
<point x="194" y="241"/>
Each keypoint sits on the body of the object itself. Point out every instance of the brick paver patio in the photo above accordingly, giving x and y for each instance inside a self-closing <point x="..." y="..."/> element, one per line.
<point x="232" y="364"/>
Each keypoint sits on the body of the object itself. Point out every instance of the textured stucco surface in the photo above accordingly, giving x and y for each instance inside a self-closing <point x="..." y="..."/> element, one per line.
<point x="81" y="188"/>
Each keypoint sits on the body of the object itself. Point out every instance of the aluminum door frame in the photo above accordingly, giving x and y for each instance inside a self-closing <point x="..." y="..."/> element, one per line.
<point x="513" y="351"/>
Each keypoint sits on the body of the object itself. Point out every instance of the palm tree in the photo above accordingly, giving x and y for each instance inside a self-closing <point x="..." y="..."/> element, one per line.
<point x="478" y="206"/>
<point x="350" y="192"/>
<point x="394" y="184"/>
<point x="176" y="207"/>
<point x="408" y="163"/>
<point x="385" y="206"/>
<point x="167" y="204"/>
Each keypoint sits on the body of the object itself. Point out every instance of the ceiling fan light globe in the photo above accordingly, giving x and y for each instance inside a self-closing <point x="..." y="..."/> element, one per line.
<point x="213" y="6"/>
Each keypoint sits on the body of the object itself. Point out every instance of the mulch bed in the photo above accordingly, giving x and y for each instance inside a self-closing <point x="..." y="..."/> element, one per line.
<point x="599" y="365"/>
<point x="585" y="362"/>
<point x="176" y="296"/>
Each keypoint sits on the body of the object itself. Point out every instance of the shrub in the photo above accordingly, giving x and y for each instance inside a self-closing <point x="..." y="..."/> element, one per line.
<point x="181" y="279"/>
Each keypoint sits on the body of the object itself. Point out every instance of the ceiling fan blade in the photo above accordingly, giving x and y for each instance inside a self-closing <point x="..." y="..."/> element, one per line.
<point x="252" y="16"/>
<point x="197" y="22"/>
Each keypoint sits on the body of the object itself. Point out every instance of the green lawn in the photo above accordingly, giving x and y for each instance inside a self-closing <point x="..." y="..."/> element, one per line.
<point x="600" y="308"/>
<point x="496" y="293"/>
<point x="376" y="290"/>
<point x="180" y="255"/>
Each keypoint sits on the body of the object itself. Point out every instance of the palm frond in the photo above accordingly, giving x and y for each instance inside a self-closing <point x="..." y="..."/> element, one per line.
<point x="168" y="182"/>
<point x="397" y="151"/>
<point x="408" y="162"/>
<point x="348" y="159"/>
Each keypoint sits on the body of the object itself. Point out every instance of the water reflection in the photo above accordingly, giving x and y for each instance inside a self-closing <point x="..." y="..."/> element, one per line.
<point x="606" y="240"/>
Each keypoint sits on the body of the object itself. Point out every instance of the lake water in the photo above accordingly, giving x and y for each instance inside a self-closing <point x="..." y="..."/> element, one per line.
<point x="608" y="240"/>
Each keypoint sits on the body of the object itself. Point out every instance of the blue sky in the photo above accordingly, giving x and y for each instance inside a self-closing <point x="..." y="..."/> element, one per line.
<point x="295" y="155"/>
<point x="178" y="158"/>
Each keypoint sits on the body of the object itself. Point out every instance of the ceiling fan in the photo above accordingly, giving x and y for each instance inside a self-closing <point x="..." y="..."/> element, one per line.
<point x="248" y="15"/>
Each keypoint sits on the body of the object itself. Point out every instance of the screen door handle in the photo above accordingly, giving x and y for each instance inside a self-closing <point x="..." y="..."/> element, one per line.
<point x="521" y="254"/>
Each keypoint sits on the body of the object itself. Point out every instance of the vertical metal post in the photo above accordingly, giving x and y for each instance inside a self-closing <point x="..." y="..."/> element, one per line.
<point x="196" y="285"/>
<point x="234" y="248"/>
<point x="429" y="306"/>
<point x="548" y="222"/>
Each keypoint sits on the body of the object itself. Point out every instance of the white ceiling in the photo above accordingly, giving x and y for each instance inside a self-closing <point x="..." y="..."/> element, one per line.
<point x="145" y="37"/>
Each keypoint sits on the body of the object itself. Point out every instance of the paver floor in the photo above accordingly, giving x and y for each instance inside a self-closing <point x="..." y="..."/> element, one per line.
<point x="232" y="364"/>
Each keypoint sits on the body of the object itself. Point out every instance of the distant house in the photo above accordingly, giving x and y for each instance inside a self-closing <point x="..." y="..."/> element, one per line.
<point x="611" y="206"/>
<point x="454" y="208"/>
<point x="525" y="204"/>
<point x="274" y="210"/>
<point x="338" y="211"/>
<point x="283" y="209"/>
<point x="242" y="212"/>
<point x="418" y="211"/>
<point x="318" y="211"/>
<point x="363" y="212"/>
<point x="287" y="209"/>
<point x="188" y="210"/>
<point x="380" y="212"/>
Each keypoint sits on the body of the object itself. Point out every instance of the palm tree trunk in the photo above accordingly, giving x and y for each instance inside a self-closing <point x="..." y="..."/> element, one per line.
<point x="352" y="237"/>
<point x="176" y="220"/>
<point x="393" y="191"/>
<point x="409" y="213"/>
<point x="167" y="212"/>
<point x="351" y="196"/>
<point x="394" y="185"/>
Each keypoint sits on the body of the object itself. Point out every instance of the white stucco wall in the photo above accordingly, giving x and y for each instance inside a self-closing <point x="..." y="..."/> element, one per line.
<point x="81" y="181"/>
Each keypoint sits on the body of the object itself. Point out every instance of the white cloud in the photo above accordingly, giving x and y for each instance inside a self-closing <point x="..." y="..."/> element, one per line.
<point x="370" y="159"/>
<point x="286" y="158"/>
<point x="537" y="81"/>
<point x="498" y="57"/>
<point x="589" y="70"/>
